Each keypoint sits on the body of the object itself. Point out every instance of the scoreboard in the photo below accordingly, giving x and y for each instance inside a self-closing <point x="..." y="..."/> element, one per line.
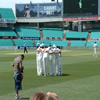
<point x="80" y="8"/>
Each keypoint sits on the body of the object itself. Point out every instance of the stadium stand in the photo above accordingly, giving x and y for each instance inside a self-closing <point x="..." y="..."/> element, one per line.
<point x="52" y="32"/>
<point x="27" y="32"/>
<point x="6" y="42"/>
<point x="90" y="43"/>
<point x="95" y="34"/>
<point x="7" y="13"/>
<point x="7" y="31"/>
<point x="78" y="43"/>
<point x="74" y="34"/>
<point x="21" y="42"/>
<point x="57" y="43"/>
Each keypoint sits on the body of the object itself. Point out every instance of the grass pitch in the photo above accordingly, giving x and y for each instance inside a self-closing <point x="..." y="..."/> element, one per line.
<point x="80" y="80"/>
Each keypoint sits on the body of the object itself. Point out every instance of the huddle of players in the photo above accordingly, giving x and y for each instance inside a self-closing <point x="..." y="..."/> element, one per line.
<point x="49" y="61"/>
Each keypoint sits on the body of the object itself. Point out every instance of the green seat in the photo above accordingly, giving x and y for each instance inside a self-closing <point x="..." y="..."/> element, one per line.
<point x="78" y="43"/>
<point x="50" y="32"/>
<point x="27" y="32"/>
<point x="7" y="31"/>
<point x="21" y="42"/>
<point x="57" y="43"/>
<point x="7" y="13"/>
<point x="95" y="35"/>
<point x="6" y="42"/>
<point x="90" y="43"/>
<point x="74" y="34"/>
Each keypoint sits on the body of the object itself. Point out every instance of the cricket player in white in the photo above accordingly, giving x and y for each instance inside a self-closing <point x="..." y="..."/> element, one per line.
<point x="51" y="52"/>
<point x="58" y="63"/>
<point x="54" y="60"/>
<point x="95" y="47"/>
<point x="45" y="61"/>
<point x="39" y="61"/>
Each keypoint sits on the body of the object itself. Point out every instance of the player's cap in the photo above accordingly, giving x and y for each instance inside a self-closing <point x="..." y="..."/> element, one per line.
<point x="54" y="46"/>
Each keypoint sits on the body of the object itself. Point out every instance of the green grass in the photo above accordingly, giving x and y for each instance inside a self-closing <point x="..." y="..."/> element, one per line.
<point x="80" y="80"/>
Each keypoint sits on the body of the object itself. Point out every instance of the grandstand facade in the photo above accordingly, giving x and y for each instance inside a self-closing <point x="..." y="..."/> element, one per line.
<point x="47" y="24"/>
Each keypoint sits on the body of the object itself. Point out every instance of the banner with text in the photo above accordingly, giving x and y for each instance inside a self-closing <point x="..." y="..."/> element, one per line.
<point x="39" y="10"/>
<point x="50" y="9"/>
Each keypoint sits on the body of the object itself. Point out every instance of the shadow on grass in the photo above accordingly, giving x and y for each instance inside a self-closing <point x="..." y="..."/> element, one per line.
<point x="24" y="98"/>
<point x="65" y="74"/>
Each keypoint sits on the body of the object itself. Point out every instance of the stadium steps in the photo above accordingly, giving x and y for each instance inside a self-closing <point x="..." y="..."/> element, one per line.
<point x="64" y="36"/>
<point x="89" y="35"/>
<point x="33" y="43"/>
<point x="16" y="33"/>
<point x="41" y="35"/>
<point x="13" y="42"/>
<point x="69" y="42"/>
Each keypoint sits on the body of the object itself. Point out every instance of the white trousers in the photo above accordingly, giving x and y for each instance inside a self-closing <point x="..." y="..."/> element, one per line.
<point x="54" y="65"/>
<point x="45" y="66"/>
<point x="59" y="66"/>
<point x="39" y="66"/>
<point x="95" y="52"/>
<point x="51" y="66"/>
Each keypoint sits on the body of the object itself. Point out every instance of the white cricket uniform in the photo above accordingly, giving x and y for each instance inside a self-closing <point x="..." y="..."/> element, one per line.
<point x="95" y="52"/>
<point x="39" y="62"/>
<point x="59" y="62"/>
<point x="50" y="62"/>
<point x="54" y="62"/>
<point x="45" y="62"/>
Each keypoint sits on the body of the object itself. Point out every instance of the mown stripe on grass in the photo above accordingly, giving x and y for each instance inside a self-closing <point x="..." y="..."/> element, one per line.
<point x="81" y="89"/>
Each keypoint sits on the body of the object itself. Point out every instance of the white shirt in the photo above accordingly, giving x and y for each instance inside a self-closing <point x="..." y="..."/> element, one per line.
<point x="50" y="55"/>
<point x="45" y="53"/>
<point x="95" y="45"/>
<point x="39" y="53"/>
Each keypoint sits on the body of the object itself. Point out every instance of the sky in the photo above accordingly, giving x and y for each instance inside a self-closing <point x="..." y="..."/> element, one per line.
<point x="11" y="3"/>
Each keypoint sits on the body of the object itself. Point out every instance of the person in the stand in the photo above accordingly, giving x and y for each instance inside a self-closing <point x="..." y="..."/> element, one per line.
<point x="25" y="49"/>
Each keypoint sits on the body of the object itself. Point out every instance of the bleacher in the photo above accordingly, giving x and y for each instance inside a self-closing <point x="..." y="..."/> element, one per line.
<point x="74" y="34"/>
<point x="27" y="32"/>
<point x="78" y="43"/>
<point x="57" y="43"/>
<point x="52" y="32"/>
<point x="6" y="42"/>
<point x="90" y="43"/>
<point x="7" y="13"/>
<point x="6" y="32"/>
<point x="21" y="42"/>
<point x="95" y="34"/>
